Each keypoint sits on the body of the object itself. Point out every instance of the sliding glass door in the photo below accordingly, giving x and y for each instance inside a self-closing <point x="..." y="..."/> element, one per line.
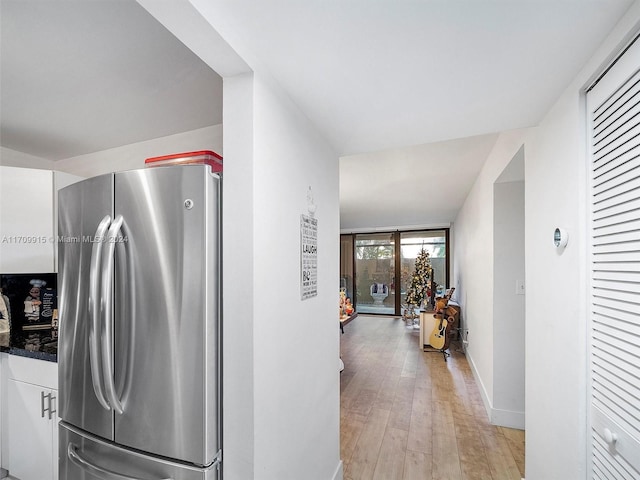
<point x="346" y="265"/>
<point x="434" y="242"/>
<point x="376" y="268"/>
<point x="375" y="273"/>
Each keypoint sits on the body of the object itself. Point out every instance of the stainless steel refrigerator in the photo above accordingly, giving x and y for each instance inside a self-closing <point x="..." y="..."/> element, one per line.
<point x="139" y="347"/>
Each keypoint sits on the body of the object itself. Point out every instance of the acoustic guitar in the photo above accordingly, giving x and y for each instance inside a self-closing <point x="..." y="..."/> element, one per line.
<point x="438" y="336"/>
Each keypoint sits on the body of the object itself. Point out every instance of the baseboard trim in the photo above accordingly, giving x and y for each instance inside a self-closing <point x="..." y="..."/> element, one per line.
<point x="501" y="418"/>
<point x="507" y="418"/>
<point x="338" y="475"/>
<point x="483" y="391"/>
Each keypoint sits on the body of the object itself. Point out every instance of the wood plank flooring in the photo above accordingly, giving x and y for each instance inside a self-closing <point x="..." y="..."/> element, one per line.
<point x="408" y="414"/>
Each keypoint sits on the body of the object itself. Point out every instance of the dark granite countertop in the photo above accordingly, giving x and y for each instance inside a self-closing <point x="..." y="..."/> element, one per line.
<point x="41" y="344"/>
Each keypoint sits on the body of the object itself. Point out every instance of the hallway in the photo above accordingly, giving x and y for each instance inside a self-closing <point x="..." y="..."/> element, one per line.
<point x="408" y="414"/>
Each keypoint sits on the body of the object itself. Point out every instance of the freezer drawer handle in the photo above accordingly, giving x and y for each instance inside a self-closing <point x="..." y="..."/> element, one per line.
<point x="94" y="310"/>
<point x="95" y="470"/>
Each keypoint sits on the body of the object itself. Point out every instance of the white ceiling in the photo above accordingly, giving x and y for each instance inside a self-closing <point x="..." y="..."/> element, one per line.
<point x="387" y="77"/>
<point x="82" y="76"/>
<point x="381" y="74"/>
<point x="426" y="196"/>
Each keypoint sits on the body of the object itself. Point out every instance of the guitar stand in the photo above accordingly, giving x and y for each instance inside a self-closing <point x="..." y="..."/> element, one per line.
<point x="444" y="352"/>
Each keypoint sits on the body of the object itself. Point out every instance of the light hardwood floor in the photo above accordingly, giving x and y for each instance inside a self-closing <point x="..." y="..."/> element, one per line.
<point x="408" y="414"/>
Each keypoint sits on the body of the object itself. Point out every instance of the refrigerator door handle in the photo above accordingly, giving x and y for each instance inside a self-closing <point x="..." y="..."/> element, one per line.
<point x="96" y="470"/>
<point x="94" y="310"/>
<point x="125" y="303"/>
<point x="107" y="299"/>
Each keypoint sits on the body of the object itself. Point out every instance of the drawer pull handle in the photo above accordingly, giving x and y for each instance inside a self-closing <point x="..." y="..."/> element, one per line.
<point x="49" y="408"/>
<point x="610" y="437"/>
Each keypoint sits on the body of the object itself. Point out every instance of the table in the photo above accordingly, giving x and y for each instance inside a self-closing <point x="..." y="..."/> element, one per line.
<point x="345" y="320"/>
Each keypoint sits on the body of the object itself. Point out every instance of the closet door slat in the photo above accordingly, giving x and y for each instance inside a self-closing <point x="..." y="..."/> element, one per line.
<point x="614" y="394"/>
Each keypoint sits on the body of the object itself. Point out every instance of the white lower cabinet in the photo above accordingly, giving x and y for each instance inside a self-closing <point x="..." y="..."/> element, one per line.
<point x="32" y="419"/>
<point x="3" y="471"/>
<point x="33" y="432"/>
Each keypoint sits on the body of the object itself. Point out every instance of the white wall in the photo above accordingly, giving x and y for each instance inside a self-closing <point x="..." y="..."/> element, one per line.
<point x="281" y="378"/>
<point x="473" y="266"/>
<point x="555" y="173"/>
<point x="556" y="299"/>
<point x="238" y="269"/>
<point x="128" y="157"/>
<point x="296" y="355"/>
<point x="508" y="305"/>
<point x="555" y="331"/>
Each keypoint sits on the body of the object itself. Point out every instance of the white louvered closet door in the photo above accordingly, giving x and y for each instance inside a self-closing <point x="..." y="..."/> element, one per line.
<point x="614" y="116"/>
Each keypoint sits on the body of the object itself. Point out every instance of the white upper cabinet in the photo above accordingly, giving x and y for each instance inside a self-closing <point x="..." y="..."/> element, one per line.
<point x="26" y="220"/>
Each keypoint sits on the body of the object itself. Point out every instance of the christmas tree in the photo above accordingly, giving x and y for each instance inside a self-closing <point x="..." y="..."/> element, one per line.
<point x="419" y="286"/>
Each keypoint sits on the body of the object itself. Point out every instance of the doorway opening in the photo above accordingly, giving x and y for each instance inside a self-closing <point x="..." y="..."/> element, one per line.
<point x="509" y="295"/>
<point x="376" y="268"/>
